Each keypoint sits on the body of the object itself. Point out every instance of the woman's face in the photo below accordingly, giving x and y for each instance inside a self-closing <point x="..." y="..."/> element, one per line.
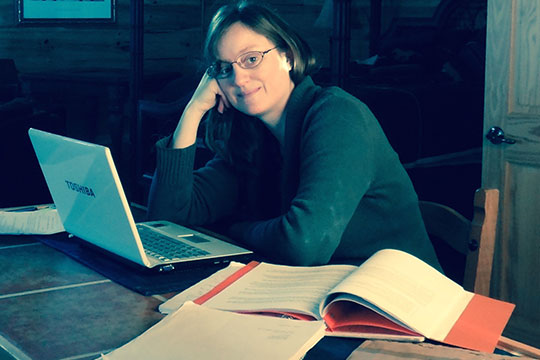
<point x="263" y="91"/>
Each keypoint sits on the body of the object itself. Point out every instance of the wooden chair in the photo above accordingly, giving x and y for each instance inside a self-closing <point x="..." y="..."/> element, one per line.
<point x="465" y="248"/>
<point x="471" y="247"/>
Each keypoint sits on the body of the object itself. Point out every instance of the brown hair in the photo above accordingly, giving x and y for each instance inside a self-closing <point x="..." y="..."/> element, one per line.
<point x="237" y="142"/>
<point x="266" y="22"/>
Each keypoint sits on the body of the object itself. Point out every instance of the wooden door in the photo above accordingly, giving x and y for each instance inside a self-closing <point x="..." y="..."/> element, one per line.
<point x="512" y="102"/>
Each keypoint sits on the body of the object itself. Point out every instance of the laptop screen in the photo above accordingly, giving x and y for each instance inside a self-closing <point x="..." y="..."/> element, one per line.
<point x="86" y="189"/>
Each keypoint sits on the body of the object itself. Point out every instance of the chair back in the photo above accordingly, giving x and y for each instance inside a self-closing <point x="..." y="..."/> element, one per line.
<point x="474" y="242"/>
<point x="481" y="243"/>
<point x="464" y="247"/>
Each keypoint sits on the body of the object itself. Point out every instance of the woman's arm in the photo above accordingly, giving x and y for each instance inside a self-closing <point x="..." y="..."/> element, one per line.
<point x="177" y="193"/>
<point x="207" y="96"/>
<point x="184" y="196"/>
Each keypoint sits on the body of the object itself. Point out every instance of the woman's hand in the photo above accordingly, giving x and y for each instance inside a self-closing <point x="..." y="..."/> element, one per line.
<point x="207" y="96"/>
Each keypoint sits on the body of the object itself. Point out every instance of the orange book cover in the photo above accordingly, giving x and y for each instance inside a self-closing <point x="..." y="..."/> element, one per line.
<point x="481" y="324"/>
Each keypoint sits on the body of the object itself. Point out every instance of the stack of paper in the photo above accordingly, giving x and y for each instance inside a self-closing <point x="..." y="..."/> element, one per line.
<point x="198" y="332"/>
<point x="38" y="219"/>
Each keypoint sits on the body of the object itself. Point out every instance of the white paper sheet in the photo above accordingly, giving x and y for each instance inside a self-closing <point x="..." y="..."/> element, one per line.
<point x="38" y="219"/>
<point x="199" y="289"/>
<point x="198" y="332"/>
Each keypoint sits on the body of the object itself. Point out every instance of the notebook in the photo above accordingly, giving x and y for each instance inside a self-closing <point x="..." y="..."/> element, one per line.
<point x="86" y="189"/>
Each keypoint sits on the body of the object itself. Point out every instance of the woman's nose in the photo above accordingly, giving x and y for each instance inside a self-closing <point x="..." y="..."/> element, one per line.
<point x="239" y="75"/>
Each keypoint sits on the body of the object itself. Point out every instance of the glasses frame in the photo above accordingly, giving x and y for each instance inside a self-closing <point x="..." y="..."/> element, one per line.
<point x="213" y="71"/>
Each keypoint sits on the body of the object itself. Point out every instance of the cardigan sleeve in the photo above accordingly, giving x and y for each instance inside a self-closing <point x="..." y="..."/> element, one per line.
<point x="337" y="159"/>
<point x="188" y="197"/>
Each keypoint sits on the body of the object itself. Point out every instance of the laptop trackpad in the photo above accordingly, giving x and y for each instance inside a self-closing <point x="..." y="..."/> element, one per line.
<point x="193" y="238"/>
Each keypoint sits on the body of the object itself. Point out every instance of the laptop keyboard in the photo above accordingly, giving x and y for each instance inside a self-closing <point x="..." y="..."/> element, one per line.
<point x="166" y="249"/>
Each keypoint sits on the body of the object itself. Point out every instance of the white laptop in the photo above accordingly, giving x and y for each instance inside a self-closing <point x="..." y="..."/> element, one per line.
<point x="88" y="195"/>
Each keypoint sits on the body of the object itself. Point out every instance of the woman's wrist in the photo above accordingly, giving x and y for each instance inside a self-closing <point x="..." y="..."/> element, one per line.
<point x="185" y="133"/>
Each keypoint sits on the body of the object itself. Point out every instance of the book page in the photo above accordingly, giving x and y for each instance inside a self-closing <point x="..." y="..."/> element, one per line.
<point x="199" y="332"/>
<point x="409" y="290"/>
<point x="199" y="289"/>
<point x="269" y="287"/>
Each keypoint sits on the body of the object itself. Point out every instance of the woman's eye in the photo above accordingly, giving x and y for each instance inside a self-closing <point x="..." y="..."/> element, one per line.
<point x="224" y="70"/>
<point x="251" y="59"/>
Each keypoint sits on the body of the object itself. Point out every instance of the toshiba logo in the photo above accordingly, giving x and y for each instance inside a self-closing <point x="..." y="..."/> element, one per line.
<point x="85" y="190"/>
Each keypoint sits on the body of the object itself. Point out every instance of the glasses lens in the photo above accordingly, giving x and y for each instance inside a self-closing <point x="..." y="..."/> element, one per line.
<point x="250" y="60"/>
<point x="219" y="70"/>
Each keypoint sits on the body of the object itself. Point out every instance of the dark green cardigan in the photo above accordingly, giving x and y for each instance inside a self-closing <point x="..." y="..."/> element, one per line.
<point x="338" y="194"/>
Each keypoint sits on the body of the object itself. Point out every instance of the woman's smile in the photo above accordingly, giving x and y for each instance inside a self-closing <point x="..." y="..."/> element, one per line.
<point x="246" y="95"/>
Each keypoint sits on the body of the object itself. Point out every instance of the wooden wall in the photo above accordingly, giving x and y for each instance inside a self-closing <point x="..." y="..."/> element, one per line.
<point x="174" y="30"/>
<point x="83" y="69"/>
<point x="76" y="67"/>
<point x="49" y="48"/>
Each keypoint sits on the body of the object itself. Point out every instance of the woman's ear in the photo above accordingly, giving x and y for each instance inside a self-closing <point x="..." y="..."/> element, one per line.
<point x="290" y="59"/>
<point x="286" y="61"/>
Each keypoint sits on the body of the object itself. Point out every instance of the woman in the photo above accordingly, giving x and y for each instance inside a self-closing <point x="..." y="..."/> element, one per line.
<point x="302" y="175"/>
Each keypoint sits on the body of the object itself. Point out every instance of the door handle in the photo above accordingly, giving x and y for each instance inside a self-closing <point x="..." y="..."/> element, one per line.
<point x="496" y="136"/>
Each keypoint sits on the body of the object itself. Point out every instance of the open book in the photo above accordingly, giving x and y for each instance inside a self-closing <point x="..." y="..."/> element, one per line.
<point x="393" y="295"/>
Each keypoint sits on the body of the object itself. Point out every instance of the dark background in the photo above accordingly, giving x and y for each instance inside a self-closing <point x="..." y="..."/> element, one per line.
<point x="419" y="65"/>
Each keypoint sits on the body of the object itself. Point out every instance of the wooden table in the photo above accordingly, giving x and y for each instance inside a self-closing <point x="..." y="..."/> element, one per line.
<point x="55" y="308"/>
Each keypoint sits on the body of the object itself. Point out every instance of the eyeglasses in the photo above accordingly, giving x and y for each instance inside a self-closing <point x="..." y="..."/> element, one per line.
<point x="249" y="60"/>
